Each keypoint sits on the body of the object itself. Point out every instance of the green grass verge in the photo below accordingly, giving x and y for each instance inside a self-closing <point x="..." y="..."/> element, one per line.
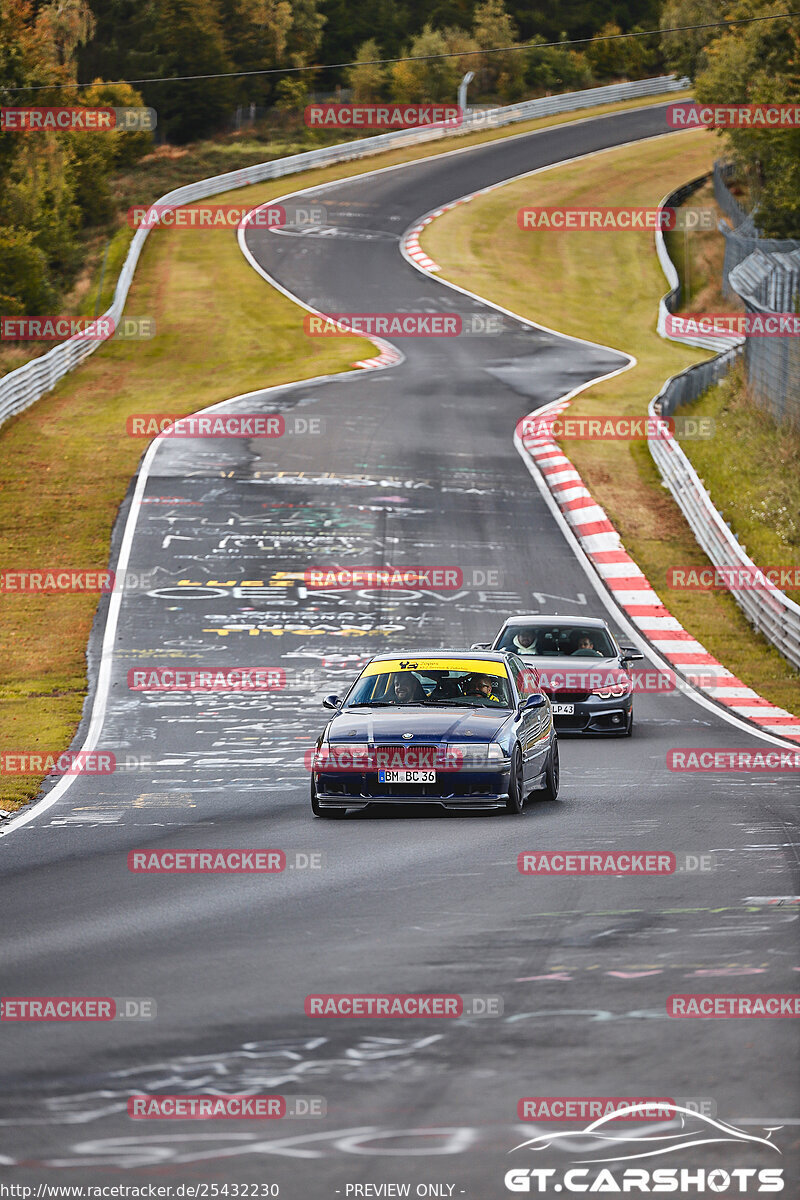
<point x="698" y="257"/>
<point x="605" y="287"/>
<point x="100" y="294"/>
<point x="66" y="463"/>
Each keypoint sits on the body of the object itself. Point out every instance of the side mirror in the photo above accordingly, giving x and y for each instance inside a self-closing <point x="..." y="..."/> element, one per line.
<point x="332" y="702"/>
<point x="481" y="646"/>
<point x="631" y="655"/>
<point x="535" y="700"/>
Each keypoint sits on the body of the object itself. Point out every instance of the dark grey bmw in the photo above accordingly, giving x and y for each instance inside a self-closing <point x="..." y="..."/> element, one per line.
<point x="582" y="667"/>
<point x="452" y="728"/>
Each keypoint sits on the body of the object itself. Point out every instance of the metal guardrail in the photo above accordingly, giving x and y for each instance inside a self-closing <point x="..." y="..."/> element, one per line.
<point x="671" y="302"/>
<point x="687" y="386"/>
<point x="22" y="387"/>
<point x="767" y="608"/>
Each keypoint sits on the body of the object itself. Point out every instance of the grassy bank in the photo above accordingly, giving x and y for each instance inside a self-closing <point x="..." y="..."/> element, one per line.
<point x="758" y="493"/>
<point x="698" y="257"/>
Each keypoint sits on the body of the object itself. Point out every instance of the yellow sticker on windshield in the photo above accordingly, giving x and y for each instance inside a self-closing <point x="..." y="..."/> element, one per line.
<point x="383" y="665"/>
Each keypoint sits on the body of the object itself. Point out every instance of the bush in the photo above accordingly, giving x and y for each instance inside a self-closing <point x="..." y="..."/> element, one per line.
<point x="367" y="80"/>
<point x="291" y="95"/>
<point x="556" y="70"/>
<point x="25" y="286"/>
<point x="125" y="147"/>
<point x="88" y="171"/>
<point x="612" y="56"/>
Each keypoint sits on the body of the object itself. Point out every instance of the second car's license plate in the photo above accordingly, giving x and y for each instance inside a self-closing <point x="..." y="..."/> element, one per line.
<point x="406" y="776"/>
<point x="563" y="710"/>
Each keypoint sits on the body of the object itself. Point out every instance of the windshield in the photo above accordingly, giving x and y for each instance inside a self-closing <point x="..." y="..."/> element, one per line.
<point x="436" y="682"/>
<point x="558" y="641"/>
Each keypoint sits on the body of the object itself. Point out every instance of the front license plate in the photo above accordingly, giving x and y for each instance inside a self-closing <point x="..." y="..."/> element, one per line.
<point x="563" y="710"/>
<point x="406" y="776"/>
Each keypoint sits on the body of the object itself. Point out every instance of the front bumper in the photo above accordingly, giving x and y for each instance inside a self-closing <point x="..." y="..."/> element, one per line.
<point x="594" y="716"/>
<point x="453" y="789"/>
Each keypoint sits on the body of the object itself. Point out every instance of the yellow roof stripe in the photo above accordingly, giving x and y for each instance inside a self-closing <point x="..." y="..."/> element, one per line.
<point x="384" y="665"/>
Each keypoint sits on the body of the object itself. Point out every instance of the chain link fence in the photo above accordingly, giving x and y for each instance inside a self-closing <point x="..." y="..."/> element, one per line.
<point x="723" y="172"/>
<point x="765" y="274"/>
<point x="245" y="116"/>
<point x="770" y="284"/>
<point x="745" y="237"/>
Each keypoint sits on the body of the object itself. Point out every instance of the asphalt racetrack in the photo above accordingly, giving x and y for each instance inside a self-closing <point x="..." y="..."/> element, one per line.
<point x="414" y="465"/>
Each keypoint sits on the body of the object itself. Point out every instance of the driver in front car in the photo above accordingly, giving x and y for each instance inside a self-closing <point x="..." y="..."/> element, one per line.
<point x="586" y="648"/>
<point x="481" y="685"/>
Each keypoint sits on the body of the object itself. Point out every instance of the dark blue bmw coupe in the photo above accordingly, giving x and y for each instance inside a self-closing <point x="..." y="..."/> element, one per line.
<point x="456" y="728"/>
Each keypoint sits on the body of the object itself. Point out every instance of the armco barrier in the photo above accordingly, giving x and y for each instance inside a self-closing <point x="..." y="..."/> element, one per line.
<point x="671" y="302"/>
<point x="22" y="387"/>
<point x="768" y="609"/>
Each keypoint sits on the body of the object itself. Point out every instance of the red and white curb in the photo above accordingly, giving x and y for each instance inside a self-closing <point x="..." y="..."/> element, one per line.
<point x="410" y="240"/>
<point x="414" y="250"/>
<point x="631" y="589"/>
<point x="387" y="358"/>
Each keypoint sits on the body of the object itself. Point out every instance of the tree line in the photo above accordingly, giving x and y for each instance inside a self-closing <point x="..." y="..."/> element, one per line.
<point x="758" y="63"/>
<point x="157" y="38"/>
<point x="57" y="187"/>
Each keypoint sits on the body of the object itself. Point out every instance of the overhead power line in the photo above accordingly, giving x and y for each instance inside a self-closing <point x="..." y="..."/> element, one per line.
<point x="372" y="62"/>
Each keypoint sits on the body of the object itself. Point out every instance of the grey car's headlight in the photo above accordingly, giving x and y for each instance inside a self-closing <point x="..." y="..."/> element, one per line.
<point x="614" y="691"/>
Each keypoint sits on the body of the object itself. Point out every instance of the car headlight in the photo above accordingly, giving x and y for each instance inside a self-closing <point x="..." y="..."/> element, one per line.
<point x="496" y="753"/>
<point x="615" y="692"/>
<point x="464" y="754"/>
<point x="342" y="756"/>
<point x="474" y="754"/>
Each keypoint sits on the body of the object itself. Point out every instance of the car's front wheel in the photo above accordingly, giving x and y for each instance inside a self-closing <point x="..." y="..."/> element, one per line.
<point x="551" y="776"/>
<point x="516" y="796"/>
